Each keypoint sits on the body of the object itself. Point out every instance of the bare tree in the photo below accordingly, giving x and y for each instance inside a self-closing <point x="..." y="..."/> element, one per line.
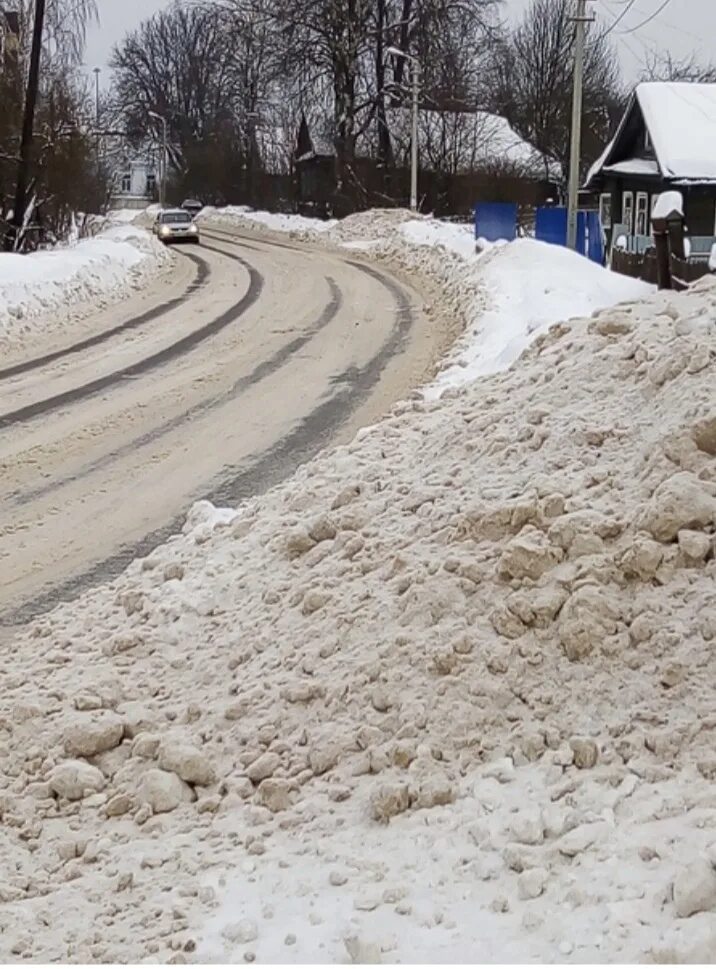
<point x="52" y="31"/>
<point x="206" y="72"/>
<point x="663" y="66"/>
<point x="531" y="82"/>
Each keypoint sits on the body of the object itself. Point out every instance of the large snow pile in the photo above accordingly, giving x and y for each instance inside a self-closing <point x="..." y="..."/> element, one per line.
<point x="527" y="286"/>
<point x="448" y="692"/>
<point x="57" y="281"/>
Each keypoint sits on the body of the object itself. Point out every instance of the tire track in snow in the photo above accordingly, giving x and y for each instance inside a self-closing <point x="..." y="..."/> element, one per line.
<point x="147" y="364"/>
<point x="203" y="274"/>
<point x="272" y="466"/>
<point x="260" y="372"/>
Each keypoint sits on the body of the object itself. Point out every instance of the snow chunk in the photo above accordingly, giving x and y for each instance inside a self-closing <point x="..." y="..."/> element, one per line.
<point x="667" y="203"/>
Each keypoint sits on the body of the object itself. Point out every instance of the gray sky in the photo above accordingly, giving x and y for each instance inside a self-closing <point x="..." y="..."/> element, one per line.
<point x="685" y="26"/>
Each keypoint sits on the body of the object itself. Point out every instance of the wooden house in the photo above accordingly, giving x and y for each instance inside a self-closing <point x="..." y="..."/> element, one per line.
<point x="665" y="140"/>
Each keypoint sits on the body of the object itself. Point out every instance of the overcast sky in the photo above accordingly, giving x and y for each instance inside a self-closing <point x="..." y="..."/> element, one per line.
<point x="685" y="26"/>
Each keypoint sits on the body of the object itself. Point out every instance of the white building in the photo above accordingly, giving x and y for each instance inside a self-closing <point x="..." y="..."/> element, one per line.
<point x="135" y="183"/>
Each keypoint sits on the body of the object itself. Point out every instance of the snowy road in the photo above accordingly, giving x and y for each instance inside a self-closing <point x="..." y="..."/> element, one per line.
<point x="218" y="384"/>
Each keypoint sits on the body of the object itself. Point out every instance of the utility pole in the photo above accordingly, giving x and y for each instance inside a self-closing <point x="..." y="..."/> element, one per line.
<point x="580" y="22"/>
<point x="28" y="124"/>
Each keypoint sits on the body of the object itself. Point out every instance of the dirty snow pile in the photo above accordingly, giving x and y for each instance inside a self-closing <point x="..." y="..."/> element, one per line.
<point x="39" y="291"/>
<point x="246" y="217"/>
<point x="447" y="694"/>
<point x="503" y="297"/>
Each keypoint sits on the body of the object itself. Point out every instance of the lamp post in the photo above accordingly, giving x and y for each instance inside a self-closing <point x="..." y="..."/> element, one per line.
<point x="415" y="77"/>
<point x="163" y="181"/>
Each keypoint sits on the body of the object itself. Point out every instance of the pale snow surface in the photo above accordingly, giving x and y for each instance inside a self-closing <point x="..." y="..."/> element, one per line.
<point x="107" y="266"/>
<point x="666" y="203"/>
<point x="277" y="221"/>
<point x="528" y="286"/>
<point x="681" y="119"/>
<point x="457" y="237"/>
<point x="445" y="694"/>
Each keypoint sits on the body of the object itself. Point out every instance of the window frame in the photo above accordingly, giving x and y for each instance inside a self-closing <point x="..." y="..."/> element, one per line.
<point x="605" y="197"/>
<point x="629" y="223"/>
<point x="641" y="197"/>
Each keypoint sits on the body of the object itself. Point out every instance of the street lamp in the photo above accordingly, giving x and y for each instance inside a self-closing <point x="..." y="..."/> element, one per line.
<point x="163" y="182"/>
<point x="415" y="76"/>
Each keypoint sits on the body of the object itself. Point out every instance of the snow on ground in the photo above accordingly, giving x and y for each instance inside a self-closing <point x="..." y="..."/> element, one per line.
<point x="276" y="221"/>
<point x="528" y="286"/>
<point x="37" y="291"/>
<point x="447" y="694"/>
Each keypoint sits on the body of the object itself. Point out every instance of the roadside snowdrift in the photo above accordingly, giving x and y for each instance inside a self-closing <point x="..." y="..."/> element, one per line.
<point x="527" y="287"/>
<point x="41" y="289"/>
<point x="447" y="693"/>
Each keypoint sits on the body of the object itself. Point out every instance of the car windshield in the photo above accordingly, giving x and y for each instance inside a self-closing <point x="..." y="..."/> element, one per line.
<point x="176" y="218"/>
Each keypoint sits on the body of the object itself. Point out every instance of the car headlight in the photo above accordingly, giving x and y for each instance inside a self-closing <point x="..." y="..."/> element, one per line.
<point x="193" y="227"/>
<point x="165" y="230"/>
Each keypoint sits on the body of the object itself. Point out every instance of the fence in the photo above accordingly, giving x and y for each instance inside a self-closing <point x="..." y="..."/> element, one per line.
<point x="686" y="271"/>
<point x="643" y="266"/>
<point x="551" y="226"/>
<point x="635" y="264"/>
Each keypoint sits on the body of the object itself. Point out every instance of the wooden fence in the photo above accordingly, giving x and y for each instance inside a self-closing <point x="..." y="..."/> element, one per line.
<point x="643" y="266"/>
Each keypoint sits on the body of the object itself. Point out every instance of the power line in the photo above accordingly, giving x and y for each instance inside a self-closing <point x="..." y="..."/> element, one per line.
<point x="648" y="20"/>
<point x="618" y="20"/>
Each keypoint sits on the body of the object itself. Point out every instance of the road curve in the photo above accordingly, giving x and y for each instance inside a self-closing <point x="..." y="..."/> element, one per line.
<point x="267" y="352"/>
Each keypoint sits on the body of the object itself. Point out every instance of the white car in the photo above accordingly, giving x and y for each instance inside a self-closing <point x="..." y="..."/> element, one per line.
<point x="175" y="225"/>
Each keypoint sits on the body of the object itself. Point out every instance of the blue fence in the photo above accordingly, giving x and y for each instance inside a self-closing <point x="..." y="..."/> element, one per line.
<point x="495" y="221"/>
<point x="551" y="226"/>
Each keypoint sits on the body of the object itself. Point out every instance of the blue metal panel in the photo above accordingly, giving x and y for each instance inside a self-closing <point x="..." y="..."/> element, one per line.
<point x="595" y="238"/>
<point x="496" y="220"/>
<point x="551" y="225"/>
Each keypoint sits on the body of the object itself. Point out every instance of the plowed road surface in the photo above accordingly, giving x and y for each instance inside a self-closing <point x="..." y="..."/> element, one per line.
<point x="249" y="357"/>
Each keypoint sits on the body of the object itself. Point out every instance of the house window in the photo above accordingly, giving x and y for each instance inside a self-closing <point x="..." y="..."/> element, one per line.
<point x="605" y="210"/>
<point x="628" y="211"/>
<point x="642" y="213"/>
<point x="126" y="183"/>
<point x="151" y="183"/>
<point x="648" y="148"/>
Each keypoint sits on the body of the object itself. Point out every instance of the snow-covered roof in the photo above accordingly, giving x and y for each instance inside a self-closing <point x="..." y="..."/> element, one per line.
<point x="464" y="141"/>
<point x="452" y="141"/>
<point x="634" y="166"/>
<point x="680" y="117"/>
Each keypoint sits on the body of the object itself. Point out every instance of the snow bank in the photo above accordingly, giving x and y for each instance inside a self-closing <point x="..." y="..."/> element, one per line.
<point x="455" y="237"/>
<point x="528" y="286"/>
<point x="448" y="690"/>
<point x="58" y="281"/>
<point x="238" y="215"/>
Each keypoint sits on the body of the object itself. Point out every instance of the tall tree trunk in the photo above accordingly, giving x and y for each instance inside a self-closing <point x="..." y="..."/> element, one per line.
<point x="26" y="143"/>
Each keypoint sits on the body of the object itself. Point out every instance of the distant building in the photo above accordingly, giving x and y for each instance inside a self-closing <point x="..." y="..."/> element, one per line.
<point x="135" y="182"/>
<point x="464" y="157"/>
